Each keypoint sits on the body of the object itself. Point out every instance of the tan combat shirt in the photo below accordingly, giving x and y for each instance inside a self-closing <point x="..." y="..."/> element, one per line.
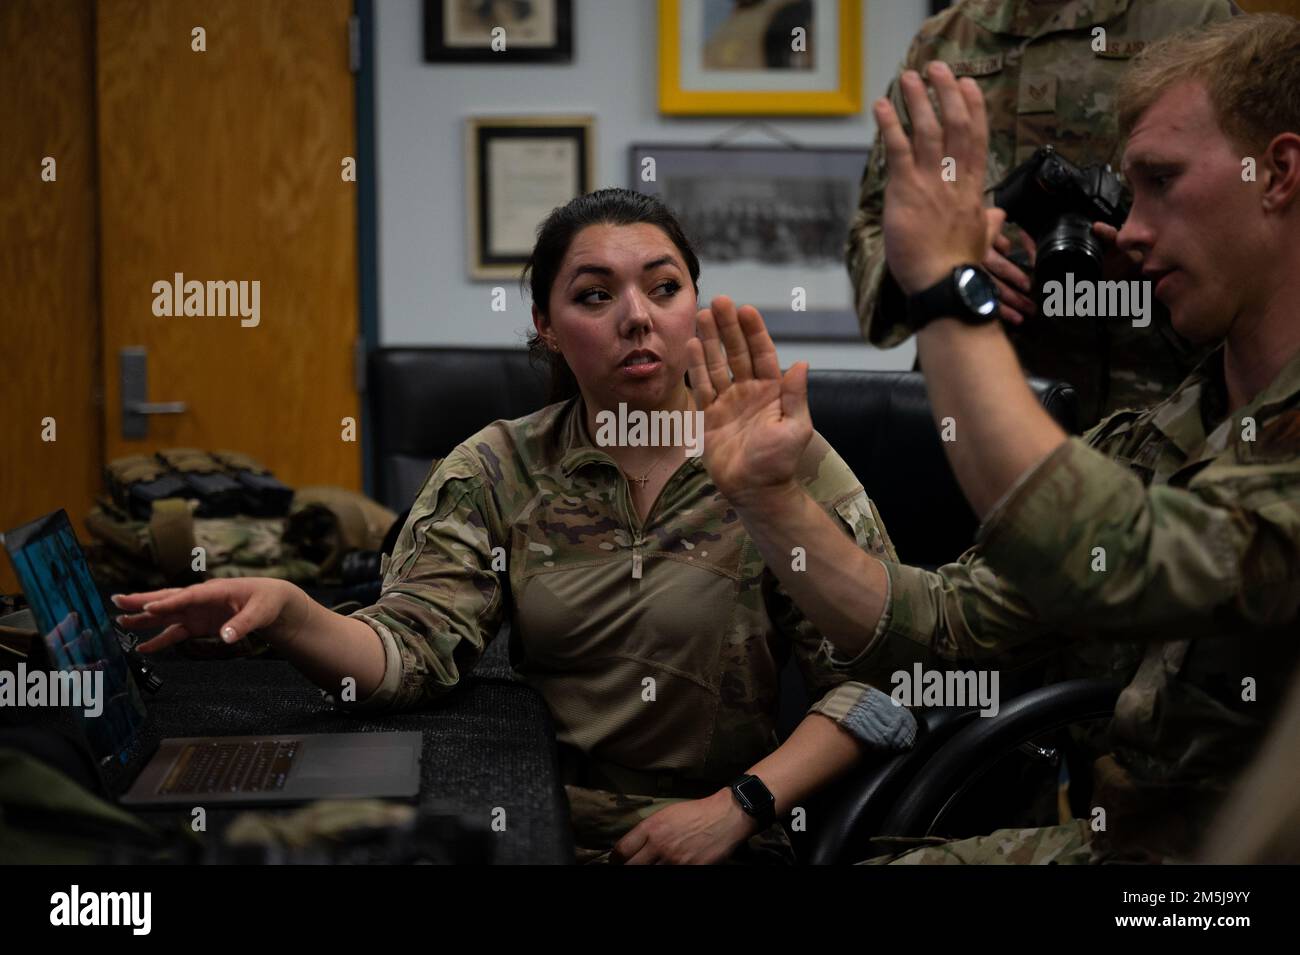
<point x="528" y="522"/>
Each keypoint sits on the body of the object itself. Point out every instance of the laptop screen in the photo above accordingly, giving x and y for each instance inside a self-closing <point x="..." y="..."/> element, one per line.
<point x="78" y="633"/>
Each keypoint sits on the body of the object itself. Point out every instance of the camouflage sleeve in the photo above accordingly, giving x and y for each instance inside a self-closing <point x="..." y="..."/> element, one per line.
<point x="843" y="694"/>
<point x="963" y="611"/>
<point x="441" y="600"/>
<point x="1144" y="563"/>
<point x="877" y="297"/>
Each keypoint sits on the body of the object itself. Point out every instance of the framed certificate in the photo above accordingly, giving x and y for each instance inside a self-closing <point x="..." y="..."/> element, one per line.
<point x="519" y="168"/>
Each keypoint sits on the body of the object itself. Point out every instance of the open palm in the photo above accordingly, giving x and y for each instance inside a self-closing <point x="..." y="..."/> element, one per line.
<point x="756" y="421"/>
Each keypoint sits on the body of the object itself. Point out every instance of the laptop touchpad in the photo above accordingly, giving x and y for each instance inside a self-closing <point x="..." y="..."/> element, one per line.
<point x="362" y="754"/>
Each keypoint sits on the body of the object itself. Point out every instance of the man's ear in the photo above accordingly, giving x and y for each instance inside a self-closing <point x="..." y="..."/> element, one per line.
<point x="1282" y="162"/>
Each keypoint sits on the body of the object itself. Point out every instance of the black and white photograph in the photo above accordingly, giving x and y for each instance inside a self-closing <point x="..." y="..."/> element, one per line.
<point x="779" y="214"/>
<point x="765" y="221"/>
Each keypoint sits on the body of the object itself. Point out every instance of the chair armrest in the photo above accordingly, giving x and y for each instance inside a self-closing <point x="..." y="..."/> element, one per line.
<point x="973" y="749"/>
<point x="844" y="818"/>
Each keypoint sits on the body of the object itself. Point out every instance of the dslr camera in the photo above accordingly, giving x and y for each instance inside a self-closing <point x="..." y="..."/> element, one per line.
<point x="1056" y="203"/>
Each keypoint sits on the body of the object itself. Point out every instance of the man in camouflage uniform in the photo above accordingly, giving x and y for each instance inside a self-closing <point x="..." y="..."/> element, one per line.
<point x="1178" y="526"/>
<point x="1047" y="78"/>
<point x="657" y="645"/>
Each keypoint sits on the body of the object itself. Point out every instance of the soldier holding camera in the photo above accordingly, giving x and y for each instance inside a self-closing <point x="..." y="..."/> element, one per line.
<point x="1194" y="504"/>
<point x="1048" y="70"/>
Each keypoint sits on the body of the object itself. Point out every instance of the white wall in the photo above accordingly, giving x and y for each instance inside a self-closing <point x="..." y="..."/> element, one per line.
<point x="425" y="295"/>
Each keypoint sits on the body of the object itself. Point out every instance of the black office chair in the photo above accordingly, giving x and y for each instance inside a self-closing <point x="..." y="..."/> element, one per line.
<point x="920" y="792"/>
<point x="881" y="424"/>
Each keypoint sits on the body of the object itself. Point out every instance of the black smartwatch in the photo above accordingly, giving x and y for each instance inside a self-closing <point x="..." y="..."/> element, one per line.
<point x="968" y="294"/>
<point x="755" y="799"/>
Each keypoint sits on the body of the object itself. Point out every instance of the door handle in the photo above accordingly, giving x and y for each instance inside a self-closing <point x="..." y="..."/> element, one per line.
<point x="133" y="368"/>
<point x="157" y="407"/>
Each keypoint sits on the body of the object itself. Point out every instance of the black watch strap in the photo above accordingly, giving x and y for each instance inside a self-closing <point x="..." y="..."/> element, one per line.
<point x="967" y="294"/>
<point x="755" y="799"/>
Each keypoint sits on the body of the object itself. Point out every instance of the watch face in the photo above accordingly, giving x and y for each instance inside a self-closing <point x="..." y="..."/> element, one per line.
<point x="977" y="291"/>
<point x="755" y="793"/>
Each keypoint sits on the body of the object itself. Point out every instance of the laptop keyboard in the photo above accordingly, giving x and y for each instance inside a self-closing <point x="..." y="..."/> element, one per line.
<point x="223" y="767"/>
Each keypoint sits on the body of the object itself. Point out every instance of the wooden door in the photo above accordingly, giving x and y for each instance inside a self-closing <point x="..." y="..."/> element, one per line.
<point x="51" y="429"/>
<point x="224" y="165"/>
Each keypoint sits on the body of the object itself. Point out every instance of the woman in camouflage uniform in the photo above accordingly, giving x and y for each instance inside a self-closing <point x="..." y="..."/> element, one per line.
<point x="638" y="606"/>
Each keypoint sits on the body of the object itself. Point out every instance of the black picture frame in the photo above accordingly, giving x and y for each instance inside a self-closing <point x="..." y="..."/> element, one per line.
<point x="436" y="49"/>
<point x="833" y="176"/>
<point x="483" y="263"/>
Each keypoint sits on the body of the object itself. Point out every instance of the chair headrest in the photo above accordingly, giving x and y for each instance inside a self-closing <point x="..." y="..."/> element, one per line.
<point x="425" y="401"/>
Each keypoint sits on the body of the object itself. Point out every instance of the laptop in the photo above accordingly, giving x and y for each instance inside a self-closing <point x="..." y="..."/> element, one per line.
<point x="81" y="639"/>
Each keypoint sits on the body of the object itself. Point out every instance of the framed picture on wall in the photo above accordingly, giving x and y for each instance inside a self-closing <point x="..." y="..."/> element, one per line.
<point x="519" y="168"/>
<point x="498" y="31"/>
<point x="769" y="225"/>
<point x="760" y="57"/>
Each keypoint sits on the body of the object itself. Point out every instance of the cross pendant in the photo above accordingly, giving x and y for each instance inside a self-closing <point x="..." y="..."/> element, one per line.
<point x="643" y="481"/>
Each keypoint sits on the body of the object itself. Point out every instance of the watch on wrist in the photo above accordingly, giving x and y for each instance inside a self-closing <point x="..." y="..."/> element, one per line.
<point x="755" y="799"/>
<point x="967" y="294"/>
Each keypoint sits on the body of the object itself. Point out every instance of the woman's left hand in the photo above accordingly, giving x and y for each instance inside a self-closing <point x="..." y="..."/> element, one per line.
<point x="696" y="832"/>
<point x="756" y="420"/>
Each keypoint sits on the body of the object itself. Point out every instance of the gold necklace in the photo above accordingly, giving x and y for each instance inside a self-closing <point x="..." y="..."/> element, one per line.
<point x="644" y="479"/>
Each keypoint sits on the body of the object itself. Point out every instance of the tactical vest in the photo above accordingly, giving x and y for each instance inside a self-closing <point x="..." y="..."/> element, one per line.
<point x="183" y="516"/>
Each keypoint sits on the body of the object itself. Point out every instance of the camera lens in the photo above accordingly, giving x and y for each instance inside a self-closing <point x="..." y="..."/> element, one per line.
<point x="1069" y="246"/>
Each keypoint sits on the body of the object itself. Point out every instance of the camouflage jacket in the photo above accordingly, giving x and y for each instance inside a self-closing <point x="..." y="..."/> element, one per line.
<point x="1177" y="527"/>
<point x="678" y="672"/>
<point x="1043" y="84"/>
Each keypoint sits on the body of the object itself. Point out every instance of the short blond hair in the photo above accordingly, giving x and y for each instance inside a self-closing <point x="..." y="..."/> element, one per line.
<point x="1249" y="64"/>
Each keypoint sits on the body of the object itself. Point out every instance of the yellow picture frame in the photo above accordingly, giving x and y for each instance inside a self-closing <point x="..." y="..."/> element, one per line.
<point x="846" y="99"/>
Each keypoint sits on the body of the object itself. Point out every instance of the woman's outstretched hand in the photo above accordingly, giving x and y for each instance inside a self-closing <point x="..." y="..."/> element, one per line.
<point x="232" y="608"/>
<point x="756" y="421"/>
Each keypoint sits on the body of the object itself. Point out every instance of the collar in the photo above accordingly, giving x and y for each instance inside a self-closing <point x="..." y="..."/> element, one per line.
<point x="1197" y="404"/>
<point x="1033" y="18"/>
<point x="576" y="447"/>
<point x="577" y="450"/>
<point x="1195" y="418"/>
<point x="1283" y="390"/>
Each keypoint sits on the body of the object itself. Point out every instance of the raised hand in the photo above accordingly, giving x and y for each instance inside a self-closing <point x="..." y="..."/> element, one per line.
<point x="756" y="421"/>
<point x="933" y="221"/>
<point x="231" y="608"/>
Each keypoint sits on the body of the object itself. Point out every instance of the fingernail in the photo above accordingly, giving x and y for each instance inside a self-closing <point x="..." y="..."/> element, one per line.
<point x="117" y="600"/>
<point x="148" y="608"/>
<point x="228" y="634"/>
